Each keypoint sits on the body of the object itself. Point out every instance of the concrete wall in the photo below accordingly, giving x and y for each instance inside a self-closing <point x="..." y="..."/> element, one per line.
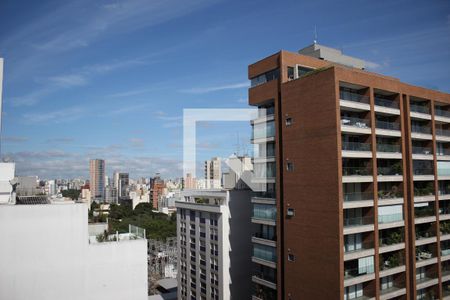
<point x="45" y="254"/>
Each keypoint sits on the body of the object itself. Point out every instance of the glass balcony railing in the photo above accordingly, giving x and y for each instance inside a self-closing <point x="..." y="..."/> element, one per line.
<point x="424" y="234"/>
<point x="358" y="196"/>
<point x="266" y="276"/>
<point x="421" y="129"/>
<point x="443" y="171"/>
<point x="355" y="97"/>
<point x="423" y="171"/>
<point x="421" y="150"/>
<point x="355" y="146"/>
<point x="445" y="210"/>
<point x="264" y="252"/>
<point x="422" y="212"/>
<point x="356" y="171"/>
<point x="391" y="194"/>
<point x="265" y="236"/>
<point x="390" y="218"/>
<point x="358" y="271"/>
<point x="355" y="122"/>
<point x="442" y="132"/>
<point x="442" y="152"/>
<point x="264" y="212"/>
<point x="387" y="125"/>
<point x="266" y="194"/>
<point x="445" y="251"/>
<point x="386" y="102"/>
<point x="357" y="221"/>
<point x="392" y="170"/>
<point x="388" y="148"/>
<point x="442" y="113"/>
<point x="349" y="248"/>
<point x="419" y="108"/>
<point x="392" y="239"/>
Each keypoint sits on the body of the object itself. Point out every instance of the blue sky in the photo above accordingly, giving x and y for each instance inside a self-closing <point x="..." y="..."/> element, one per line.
<point x="110" y="79"/>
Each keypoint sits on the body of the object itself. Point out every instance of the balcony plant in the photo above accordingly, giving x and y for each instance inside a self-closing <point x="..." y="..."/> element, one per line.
<point x="394" y="238"/>
<point x="445" y="227"/>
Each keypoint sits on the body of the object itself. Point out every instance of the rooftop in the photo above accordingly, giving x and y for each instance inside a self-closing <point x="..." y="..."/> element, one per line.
<point x="332" y="55"/>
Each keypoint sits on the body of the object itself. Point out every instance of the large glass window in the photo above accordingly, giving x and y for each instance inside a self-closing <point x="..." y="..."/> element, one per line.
<point x="353" y="291"/>
<point x="264" y="170"/>
<point x="266" y="77"/>
<point x="353" y="242"/>
<point x="264" y="130"/>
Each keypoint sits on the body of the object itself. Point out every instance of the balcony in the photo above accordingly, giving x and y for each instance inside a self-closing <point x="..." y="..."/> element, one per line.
<point x="390" y="218"/>
<point x="264" y="255"/>
<point x="264" y="214"/>
<point x="422" y="109"/>
<point x="442" y="113"/>
<point x="354" y="272"/>
<point x="357" y="174"/>
<point x="442" y="132"/>
<point x="350" y="222"/>
<point x="421" y="132"/>
<point x="355" y="125"/>
<point x="390" y="172"/>
<point x="420" y="151"/>
<point x="390" y="197"/>
<point x="265" y="276"/>
<point x="391" y="261"/>
<point x="352" y="96"/>
<point x="356" y="146"/>
<point x="393" y="240"/>
<point x="391" y="148"/>
<point x="262" y="292"/>
<point x="264" y="238"/>
<point x="386" y="103"/>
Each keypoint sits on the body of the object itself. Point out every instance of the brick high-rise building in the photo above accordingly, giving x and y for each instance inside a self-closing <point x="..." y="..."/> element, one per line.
<point x="357" y="171"/>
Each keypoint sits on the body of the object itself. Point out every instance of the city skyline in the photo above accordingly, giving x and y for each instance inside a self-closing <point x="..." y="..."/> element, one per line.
<point x="66" y="88"/>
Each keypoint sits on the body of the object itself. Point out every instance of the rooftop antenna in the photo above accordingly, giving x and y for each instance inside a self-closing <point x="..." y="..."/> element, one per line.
<point x="315" y="34"/>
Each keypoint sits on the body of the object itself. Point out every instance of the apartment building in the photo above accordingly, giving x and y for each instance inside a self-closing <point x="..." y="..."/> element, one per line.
<point x="214" y="230"/>
<point x="356" y="167"/>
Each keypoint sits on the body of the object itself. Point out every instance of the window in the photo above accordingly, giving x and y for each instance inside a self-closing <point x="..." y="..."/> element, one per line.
<point x="303" y="70"/>
<point x="288" y="121"/>
<point x="290" y="166"/>
<point x="290" y="212"/>
<point x="290" y="73"/>
<point x="353" y="291"/>
<point x="352" y="242"/>
<point x="266" y="77"/>
<point x="291" y="257"/>
<point x="387" y="282"/>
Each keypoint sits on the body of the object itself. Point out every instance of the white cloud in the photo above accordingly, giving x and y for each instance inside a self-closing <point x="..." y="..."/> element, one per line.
<point x="14" y="139"/>
<point x="68" y="80"/>
<point x="56" y="116"/>
<point x="204" y="90"/>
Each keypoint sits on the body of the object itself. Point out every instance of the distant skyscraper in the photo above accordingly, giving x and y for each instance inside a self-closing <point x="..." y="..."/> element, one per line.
<point x="124" y="181"/>
<point x="116" y="180"/>
<point x="213" y="173"/>
<point x="97" y="183"/>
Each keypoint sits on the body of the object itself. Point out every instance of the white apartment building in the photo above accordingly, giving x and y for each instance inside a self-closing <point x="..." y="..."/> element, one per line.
<point x="46" y="253"/>
<point x="214" y="230"/>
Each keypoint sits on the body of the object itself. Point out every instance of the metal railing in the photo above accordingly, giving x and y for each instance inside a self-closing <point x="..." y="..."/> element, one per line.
<point x="355" y="97"/>
<point x="355" y="146"/>
<point x="386" y="103"/>
<point x="387" y="125"/>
